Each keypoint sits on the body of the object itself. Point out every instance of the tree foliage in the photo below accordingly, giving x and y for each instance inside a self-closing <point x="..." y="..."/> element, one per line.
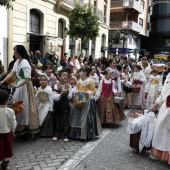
<point x="6" y="3"/>
<point x="83" y="23"/>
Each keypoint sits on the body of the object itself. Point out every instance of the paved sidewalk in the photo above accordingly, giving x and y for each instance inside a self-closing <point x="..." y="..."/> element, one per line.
<point x="42" y="153"/>
<point x="112" y="152"/>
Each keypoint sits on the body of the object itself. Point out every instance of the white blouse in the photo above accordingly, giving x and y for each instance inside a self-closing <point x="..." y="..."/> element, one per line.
<point x="99" y="90"/>
<point x="95" y="78"/>
<point x="139" y="76"/>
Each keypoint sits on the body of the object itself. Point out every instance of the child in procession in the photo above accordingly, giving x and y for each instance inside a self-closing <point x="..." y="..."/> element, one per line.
<point x="52" y="80"/>
<point x="8" y="124"/>
<point x="109" y="111"/>
<point x="125" y="80"/>
<point x="45" y="107"/>
<point x="94" y="76"/>
<point x="61" y="95"/>
<point x="84" y="121"/>
<point x="153" y="88"/>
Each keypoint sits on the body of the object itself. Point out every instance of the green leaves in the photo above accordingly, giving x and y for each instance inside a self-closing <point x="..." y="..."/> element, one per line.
<point x="6" y="3"/>
<point x="83" y="23"/>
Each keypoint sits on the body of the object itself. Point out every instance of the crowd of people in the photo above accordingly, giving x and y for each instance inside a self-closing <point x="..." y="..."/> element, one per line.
<point x="72" y="97"/>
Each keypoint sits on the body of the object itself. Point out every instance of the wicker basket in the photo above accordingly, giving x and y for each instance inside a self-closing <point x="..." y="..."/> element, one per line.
<point x="80" y="99"/>
<point x="118" y="99"/>
<point x="18" y="106"/>
<point x="135" y="88"/>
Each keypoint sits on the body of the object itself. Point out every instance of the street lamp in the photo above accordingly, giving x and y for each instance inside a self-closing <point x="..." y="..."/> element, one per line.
<point x="124" y="37"/>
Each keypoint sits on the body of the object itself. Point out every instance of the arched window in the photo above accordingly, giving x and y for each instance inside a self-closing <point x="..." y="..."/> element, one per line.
<point x="34" y="21"/>
<point x="60" y="28"/>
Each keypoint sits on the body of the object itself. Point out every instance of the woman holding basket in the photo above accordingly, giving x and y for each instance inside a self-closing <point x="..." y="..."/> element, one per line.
<point x="84" y="119"/>
<point x="27" y="121"/>
<point x="138" y="82"/>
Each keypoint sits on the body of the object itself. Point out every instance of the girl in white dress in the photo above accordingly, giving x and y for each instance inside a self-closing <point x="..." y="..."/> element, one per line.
<point x="45" y="107"/>
<point x="125" y="80"/>
<point x="153" y="88"/>
<point x="138" y="79"/>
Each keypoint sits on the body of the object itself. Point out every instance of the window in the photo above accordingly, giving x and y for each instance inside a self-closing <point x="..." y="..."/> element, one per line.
<point x="141" y="21"/>
<point x="143" y="4"/>
<point x="130" y="18"/>
<point x="60" y="28"/>
<point x="34" y="21"/>
<point x="115" y="17"/>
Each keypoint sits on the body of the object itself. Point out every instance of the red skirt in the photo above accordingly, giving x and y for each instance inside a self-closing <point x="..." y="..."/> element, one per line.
<point x="164" y="155"/>
<point x="6" y="146"/>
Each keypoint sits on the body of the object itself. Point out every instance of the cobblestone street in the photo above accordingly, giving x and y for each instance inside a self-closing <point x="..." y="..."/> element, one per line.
<point x="110" y="151"/>
<point x="42" y="153"/>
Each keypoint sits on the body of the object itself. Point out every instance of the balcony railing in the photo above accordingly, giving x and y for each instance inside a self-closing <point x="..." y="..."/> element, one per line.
<point x="133" y="4"/>
<point x="116" y="1"/>
<point x="73" y="1"/>
<point x="131" y="25"/>
<point x="96" y="11"/>
<point x="128" y="4"/>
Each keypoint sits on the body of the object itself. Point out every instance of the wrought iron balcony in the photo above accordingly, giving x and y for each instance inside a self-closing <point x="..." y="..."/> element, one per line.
<point x="131" y="25"/>
<point x="96" y="11"/>
<point x="68" y="5"/>
<point x="71" y="2"/>
<point x="128" y="4"/>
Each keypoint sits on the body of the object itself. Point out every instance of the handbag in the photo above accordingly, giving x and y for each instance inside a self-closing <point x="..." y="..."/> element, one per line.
<point x="80" y="99"/>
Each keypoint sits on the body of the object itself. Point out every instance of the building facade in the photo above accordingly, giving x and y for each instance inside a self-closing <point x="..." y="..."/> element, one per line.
<point x="3" y="35"/>
<point x="129" y="18"/>
<point x="159" y="39"/>
<point x="40" y="24"/>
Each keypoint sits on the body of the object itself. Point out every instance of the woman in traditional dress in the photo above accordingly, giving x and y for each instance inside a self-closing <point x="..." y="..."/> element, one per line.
<point x="118" y="107"/>
<point x="153" y="88"/>
<point x="125" y="80"/>
<point x="138" y="80"/>
<point x="109" y="112"/>
<point x="160" y="142"/>
<point x="115" y="74"/>
<point x="27" y="121"/>
<point x="45" y="107"/>
<point x="85" y="121"/>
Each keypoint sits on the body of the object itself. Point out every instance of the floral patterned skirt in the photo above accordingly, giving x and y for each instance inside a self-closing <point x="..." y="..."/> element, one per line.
<point x="109" y="111"/>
